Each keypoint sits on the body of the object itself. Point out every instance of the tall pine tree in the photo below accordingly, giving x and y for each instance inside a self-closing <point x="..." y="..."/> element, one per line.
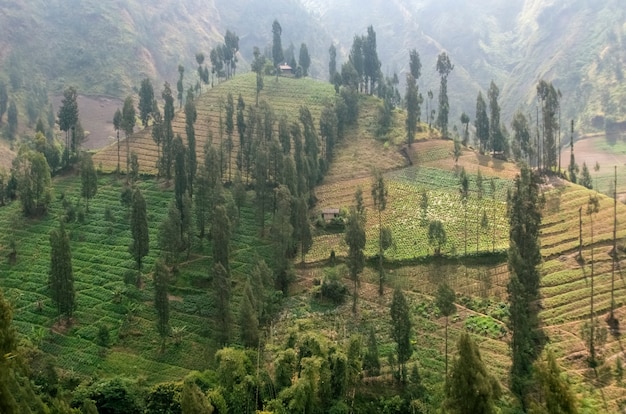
<point x="61" y="279"/>
<point x="524" y="257"/>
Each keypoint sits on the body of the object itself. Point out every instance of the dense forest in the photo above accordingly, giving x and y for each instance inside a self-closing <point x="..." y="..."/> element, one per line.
<point x="255" y="240"/>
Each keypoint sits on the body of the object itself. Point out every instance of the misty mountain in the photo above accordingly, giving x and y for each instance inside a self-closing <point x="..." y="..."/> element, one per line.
<point x="108" y="47"/>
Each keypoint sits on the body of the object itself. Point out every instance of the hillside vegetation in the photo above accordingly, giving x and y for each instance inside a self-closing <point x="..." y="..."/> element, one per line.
<point x="309" y="322"/>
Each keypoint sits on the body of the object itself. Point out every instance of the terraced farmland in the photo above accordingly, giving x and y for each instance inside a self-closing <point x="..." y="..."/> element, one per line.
<point x="406" y="219"/>
<point x="101" y="262"/>
<point x="286" y="96"/>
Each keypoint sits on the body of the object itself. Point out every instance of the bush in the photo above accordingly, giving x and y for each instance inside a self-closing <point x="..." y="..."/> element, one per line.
<point x="104" y="337"/>
<point x="333" y="290"/>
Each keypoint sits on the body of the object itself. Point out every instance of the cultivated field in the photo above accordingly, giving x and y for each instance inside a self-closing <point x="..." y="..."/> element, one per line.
<point x="285" y="96"/>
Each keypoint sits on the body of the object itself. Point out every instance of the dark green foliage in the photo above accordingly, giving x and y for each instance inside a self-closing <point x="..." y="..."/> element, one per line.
<point x="379" y="195"/>
<point x="412" y="108"/>
<point x="524" y="206"/>
<point x="191" y="115"/>
<point x="61" y="279"/>
<point x="415" y="65"/>
<point x="371" y="360"/>
<point x="496" y="137"/>
<point x="67" y="119"/>
<point x="355" y="239"/>
<point x="164" y="398"/>
<point x="304" y="59"/>
<point x="552" y="393"/>
<point x="103" y="338"/>
<point x="221" y="234"/>
<point x="401" y="330"/>
<point x="169" y="237"/>
<point x="464" y="193"/>
<point x="302" y="228"/>
<point x="12" y="120"/>
<point x="4" y="99"/>
<point x="436" y="235"/>
<point x="281" y="233"/>
<point x="332" y="63"/>
<point x="117" y="125"/>
<point x="465" y="120"/>
<point x="161" y="301"/>
<point x="329" y="130"/>
<point x="550" y="106"/>
<point x="167" y="133"/>
<point x="585" y="177"/>
<point x="230" y="128"/>
<point x="444" y="67"/>
<point x="140" y="244"/>
<point x="88" y="179"/>
<point x="180" y="87"/>
<point x="482" y="124"/>
<point x="470" y="389"/>
<point x="8" y="344"/>
<point x="34" y="183"/>
<point x="333" y="290"/>
<point x="112" y="396"/>
<point x="146" y="100"/>
<point x="193" y="400"/>
<point x="522" y="148"/>
<point x="445" y="302"/>
<point x="221" y="292"/>
<point x="277" y="46"/>
<point x="128" y="125"/>
<point x="248" y="318"/>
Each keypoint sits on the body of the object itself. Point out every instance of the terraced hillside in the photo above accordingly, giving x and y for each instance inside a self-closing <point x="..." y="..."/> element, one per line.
<point x="285" y="96"/>
<point x="101" y="263"/>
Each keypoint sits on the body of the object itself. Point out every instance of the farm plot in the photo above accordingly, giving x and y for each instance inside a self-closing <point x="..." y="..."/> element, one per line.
<point x="101" y="263"/>
<point x="487" y="227"/>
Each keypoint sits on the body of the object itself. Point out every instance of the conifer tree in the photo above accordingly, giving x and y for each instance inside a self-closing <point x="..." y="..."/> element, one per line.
<point x="117" y="125"/>
<point x="445" y="303"/>
<point x="61" y="280"/>
<point x="332" y="64"/>
<point x="524" y="257"/>
<point x="161" y="301"/>
<point x="248" y="318"/>
<point x="355" y="239"/>
<point x="146" y="101"/>
<point x="67" y="119"/>
<point x="444" y="67"/>
<point x="88" y="179"/>
<point x="470" y="388"/>
<point x="221" y="292"/>
<point x="379" y="194"/>
<point x="401" y="331"/>
<point x="481" y="123"/>
<point x="140" y="245"/>
<point x="464" y="193"/>
<point x="277" y="46"/>
<point x="371" y="360"/>
<point x="165" y="164"/>
<point x="221" y="234"/>
<point x="191" y="115"/>
<point x="412" y="108"/>
<point x="128" y="125"/>
<point x="4" y="99"/>
<point x="552" y="393"/>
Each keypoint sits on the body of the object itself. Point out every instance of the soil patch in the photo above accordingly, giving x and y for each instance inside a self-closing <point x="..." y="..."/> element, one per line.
<point x="96" y="116"/>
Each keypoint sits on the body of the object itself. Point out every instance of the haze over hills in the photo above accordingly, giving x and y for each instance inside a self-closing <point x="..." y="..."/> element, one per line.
<point x="107" y="48"/>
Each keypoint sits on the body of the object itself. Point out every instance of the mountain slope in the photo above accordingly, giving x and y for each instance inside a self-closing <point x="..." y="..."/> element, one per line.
<point x="106" y="48"/>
